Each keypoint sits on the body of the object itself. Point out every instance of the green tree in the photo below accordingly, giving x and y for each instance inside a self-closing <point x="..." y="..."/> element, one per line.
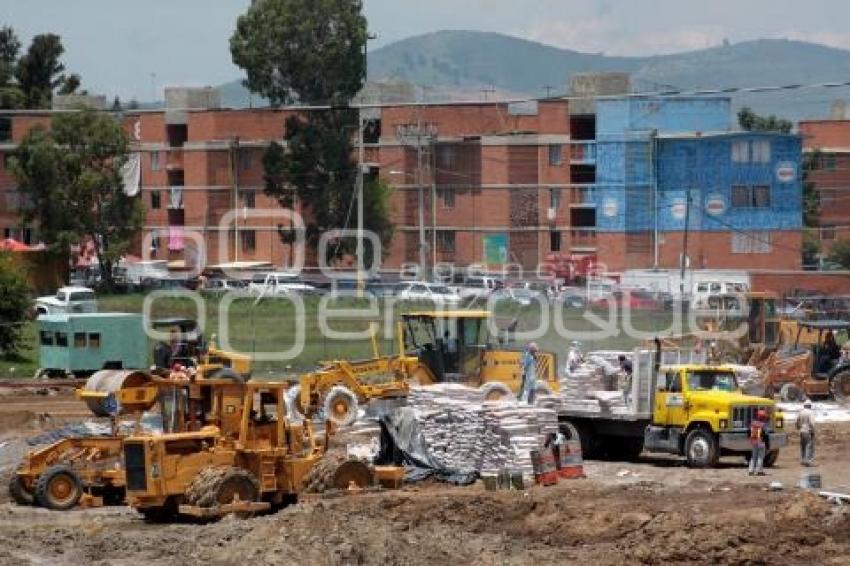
<point x="311" y="52"/>
<point x="40" y="72"/>
<point x="840" y="252"/>
<point x="750" y="121"/>
<point x="811" y="247"/>
<point x="306" y="51"/>
<point x="71" y="175"/>
<point x="14" y="306"/>
<point x="10" y="46"/>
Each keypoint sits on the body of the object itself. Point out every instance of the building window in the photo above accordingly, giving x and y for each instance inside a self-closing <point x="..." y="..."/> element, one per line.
<point x="46" y="338"/>
<point x="5" y="129"/>
<point x="827" y="233"/>
<point x="445" y="156"/>
<point x="828" y="161"/>
<point x="446" y="241"/>
<point x="761" y="196"/>
<point x="744" y="196"/>
<point x="249" y="198"/>
<point x="94" y="340"/>
<point x="555" y="199"/>
<point x="555" y="154"/>
<point x="246" y="160"/>
<point x="761" y="151"/>
<point x="249" y="240"/>
<point x="448" y="197"/>
<point x="751" y="243"/>
<point x="62" y="339"/>
<point x="554" y="241"/>
<point x="156" y="201"/>
<point x="755" y="151"/>
<point x="740" y="151"/>
<point x="155" y="164"/>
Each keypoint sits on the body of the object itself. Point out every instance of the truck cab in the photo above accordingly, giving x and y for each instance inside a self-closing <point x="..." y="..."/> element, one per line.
<point x="699" y="411"/>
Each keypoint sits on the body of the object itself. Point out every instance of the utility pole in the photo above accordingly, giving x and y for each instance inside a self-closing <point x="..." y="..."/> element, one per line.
<point x="361" y="158"/>
<point x="419" y="134"/>
<point x="433" y="162"/>
<point x="684" y="259"/>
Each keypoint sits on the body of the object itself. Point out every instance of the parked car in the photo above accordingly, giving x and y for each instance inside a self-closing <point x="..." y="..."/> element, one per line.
<point x="573" y="297"/>
<point x="522" y="295"/>
<point x="280" y="284"/>
<point x="220" y="285"/>
<point x="479" y="288"/>
<point x="67" y="300"/>
<point x="436" y="293"/>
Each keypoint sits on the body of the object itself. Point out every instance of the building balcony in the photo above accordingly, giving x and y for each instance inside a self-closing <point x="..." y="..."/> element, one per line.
<point x="583" y="152"/>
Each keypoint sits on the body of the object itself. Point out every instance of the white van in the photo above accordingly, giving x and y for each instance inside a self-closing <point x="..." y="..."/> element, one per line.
<point x="280" y="283"/>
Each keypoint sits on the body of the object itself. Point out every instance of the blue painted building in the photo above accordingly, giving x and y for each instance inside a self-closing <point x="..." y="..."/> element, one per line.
<point x="660" y="160"/>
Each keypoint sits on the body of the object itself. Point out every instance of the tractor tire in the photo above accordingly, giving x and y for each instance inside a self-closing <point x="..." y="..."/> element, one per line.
<point x="701" y="449"/>
<point x="19" y="492"/>
<point x="790" y="393"/>
<point x="770" y="458"/>
<point x="341" y="406"/>
<point x="227" y="373"/>
<point x="221" y="485"/>
<point x="58" y="488"/>
<point x="337" y="471"/>
<point x="840" y="386"/>
<point x="295" y="412"/>
<point x="497" y="391"/>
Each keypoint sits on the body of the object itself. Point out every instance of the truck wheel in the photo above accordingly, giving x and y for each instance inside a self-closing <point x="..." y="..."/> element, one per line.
<point x="496" y="391"/>
<point x="770" y="458"/>
<point x="701" y="449"/>
<point x="19" y="492"/>
<point x="840" y="386"/>
<point x="341" y="406"/>
<point x="58" y="488"/>
<point x="294" y="410"/>
<point x="790" y="393"/>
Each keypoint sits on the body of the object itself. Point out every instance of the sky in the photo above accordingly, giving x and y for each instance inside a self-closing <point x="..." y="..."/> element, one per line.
<point x="134" y="49"/>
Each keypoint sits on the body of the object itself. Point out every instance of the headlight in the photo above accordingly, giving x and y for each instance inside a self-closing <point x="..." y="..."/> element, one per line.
<point x="724" y="423"/>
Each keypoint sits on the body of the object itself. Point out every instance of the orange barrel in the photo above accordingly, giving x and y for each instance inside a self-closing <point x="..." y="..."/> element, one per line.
<point x="549" y="470"/>
<point x="572" y="464"/>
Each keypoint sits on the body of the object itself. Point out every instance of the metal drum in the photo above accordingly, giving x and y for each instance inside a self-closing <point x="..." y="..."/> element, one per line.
<point x="107" y="383"/>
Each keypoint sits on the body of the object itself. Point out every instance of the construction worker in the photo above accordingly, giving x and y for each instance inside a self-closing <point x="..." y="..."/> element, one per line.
<point x="626" y="384"/>
<point x="806" y="426"/>
<point x="758" y="440"/>
<point x="529" y="373"/>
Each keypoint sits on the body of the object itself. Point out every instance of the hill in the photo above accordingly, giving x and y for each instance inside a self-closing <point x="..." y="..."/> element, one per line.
<point x="464" y="61"/>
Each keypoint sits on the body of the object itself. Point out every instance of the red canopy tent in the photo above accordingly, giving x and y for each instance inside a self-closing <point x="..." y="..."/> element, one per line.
<point x="11" y="245"/>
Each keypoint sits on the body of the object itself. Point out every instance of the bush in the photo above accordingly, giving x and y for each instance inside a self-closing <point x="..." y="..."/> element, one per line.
<point x="14" y="304"/>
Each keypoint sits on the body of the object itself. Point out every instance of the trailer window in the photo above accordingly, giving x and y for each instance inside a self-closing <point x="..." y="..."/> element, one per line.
<point x="62" y="339"/>
<point x="94" y="340"/>
<point x="46" y="338"/>
<point x="79" y="340"/>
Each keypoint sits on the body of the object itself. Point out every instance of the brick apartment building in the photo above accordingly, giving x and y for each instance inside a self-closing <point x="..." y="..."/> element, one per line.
<point x="500" y="183"/>
<point x="830" y="173"/>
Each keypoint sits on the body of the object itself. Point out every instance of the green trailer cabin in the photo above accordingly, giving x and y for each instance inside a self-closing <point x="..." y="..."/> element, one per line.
<point x="87" y="342"/>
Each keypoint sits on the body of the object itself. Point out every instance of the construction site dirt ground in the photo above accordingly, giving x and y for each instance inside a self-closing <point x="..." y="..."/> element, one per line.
<point x="653" y="511"/>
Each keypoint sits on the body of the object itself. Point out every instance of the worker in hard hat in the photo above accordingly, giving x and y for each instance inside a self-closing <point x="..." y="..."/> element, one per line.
<point x="806" y="425"/>
<point x="758" y="440"/>
<point x="529" y="373"/>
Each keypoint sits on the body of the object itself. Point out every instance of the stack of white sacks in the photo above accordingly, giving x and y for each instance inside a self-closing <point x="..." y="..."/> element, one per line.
<point x="591" y="384"/>
<point x="466" y="433"/>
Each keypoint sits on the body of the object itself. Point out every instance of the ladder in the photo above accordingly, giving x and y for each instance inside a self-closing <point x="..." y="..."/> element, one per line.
<point x="268" y="475"/>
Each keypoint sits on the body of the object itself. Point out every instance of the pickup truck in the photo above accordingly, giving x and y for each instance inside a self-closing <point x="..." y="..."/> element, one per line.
<point x="67" y="300"/>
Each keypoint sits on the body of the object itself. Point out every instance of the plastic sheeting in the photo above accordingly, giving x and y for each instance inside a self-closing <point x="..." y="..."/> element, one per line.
<point x="402" y="443"/>
<point x="131" y="174"/>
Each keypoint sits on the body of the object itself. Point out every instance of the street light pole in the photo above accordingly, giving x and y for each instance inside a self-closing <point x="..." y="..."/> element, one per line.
<point x="361" y="158"/>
